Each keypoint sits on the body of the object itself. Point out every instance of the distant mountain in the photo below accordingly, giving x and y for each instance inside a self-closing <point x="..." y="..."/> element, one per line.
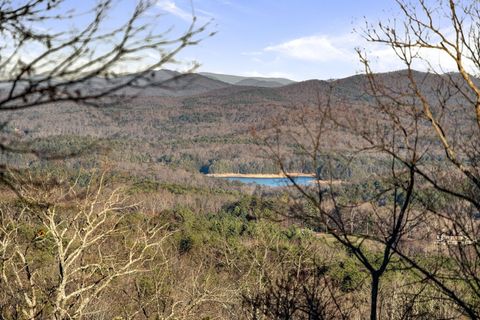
<point x="259" y="83"/>
<point x="165" y="74"/>
<point x="193" y="121"/>
<point x="353" y="90"/>
<point x="165" y="83"/>
<point x="248" y="81"/>
<point x="175" y="84"/>
<point x="186" y="85"/>
<point x="169" y="83"/>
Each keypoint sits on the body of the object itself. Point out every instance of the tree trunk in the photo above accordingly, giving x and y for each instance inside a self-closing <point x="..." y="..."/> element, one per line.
<point x="374" y="296"/>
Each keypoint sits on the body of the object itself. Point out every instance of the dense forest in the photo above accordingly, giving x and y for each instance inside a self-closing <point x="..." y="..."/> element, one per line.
<point x="209" y="132"/>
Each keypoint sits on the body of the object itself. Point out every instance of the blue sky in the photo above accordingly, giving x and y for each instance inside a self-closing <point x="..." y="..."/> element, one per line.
<point x="298" y="39"/>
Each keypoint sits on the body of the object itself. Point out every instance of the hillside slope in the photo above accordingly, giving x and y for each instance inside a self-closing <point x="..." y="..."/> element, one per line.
<point x="198" y="123"/>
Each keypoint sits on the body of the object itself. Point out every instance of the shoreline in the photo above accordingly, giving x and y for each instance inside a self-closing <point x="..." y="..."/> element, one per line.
<point x="259" y="175"/>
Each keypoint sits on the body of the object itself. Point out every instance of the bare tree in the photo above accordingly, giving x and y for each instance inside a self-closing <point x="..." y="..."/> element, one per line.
<point x="40" y="65"/>
<point x="437" y="117"/>
<point x="319" y="206"/>
<point x="428" y="125"/>
<point x="306" y="292"/>
<point x="80" y="244"/>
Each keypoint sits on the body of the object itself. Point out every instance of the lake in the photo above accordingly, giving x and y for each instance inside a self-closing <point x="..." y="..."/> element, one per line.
<point x="272" y="182"/>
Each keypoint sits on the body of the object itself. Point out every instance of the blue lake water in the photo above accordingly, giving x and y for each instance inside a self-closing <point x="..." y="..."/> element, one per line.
<point x="272" y="182"/>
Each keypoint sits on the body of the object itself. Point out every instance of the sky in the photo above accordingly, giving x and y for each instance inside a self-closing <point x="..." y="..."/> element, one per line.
<point x="296" y="39"/>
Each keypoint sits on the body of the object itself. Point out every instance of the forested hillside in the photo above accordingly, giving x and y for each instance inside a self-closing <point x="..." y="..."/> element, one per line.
<point x="203" y="125"/>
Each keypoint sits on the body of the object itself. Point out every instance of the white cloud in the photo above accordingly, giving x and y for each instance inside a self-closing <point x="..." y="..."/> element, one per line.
<point x="384" y="59"/>
<point x="319" y="48"/>
<point x="170" y="7"/>
<point x="187" y="15"/>
<point x="205" y="13"/>
<point x="327" y="50"/>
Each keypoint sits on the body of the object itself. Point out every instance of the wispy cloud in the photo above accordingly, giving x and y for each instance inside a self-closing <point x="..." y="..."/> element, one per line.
<point x="170" y="7"/>
<point x="320" y="48"/>
<point x="329" y="49"/>
<point x="383" y="58"/>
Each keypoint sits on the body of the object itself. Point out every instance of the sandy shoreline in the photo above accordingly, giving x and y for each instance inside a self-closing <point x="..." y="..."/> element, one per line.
<point x="274" y="176"/>
<point x="259" y="176"/>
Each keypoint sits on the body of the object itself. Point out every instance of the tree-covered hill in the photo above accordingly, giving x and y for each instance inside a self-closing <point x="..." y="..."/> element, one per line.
<point x="204" y="125"/>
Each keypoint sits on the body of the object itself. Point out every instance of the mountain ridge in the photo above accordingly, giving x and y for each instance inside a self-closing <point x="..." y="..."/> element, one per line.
<point x="209" y="125"/>
<point x="247" y="80"/>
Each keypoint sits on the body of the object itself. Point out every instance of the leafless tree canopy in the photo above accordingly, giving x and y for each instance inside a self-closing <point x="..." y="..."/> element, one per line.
<point x="91" y="248"/>
<point x="429" y="116"/>
<point x="428" y="126"/>
<point x="50" y="52"/>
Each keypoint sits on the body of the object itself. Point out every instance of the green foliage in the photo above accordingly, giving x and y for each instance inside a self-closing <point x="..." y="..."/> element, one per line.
<point x="146" y="185"/>
<point x="196" y="117"/>
<point x="185" y="245"/>
<point x="252" y="208"/>
<point x="348" y="274"/>
<point x="67" y="145"/>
